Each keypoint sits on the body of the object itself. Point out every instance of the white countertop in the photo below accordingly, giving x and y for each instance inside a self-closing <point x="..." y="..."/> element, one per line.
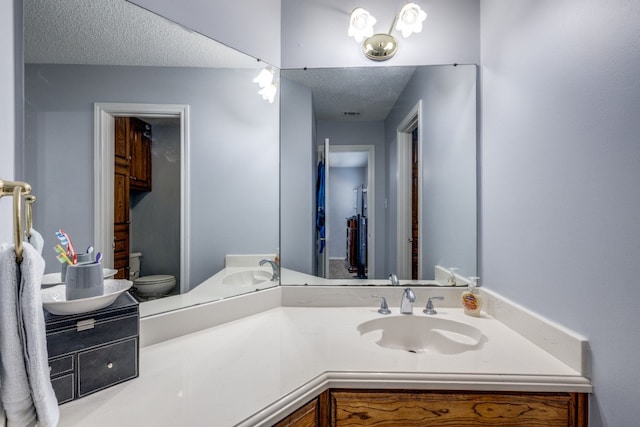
<point x="254" y="370"/>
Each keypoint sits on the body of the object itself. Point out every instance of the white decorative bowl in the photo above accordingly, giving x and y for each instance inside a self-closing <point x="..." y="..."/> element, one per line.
<point x="55" y="302"/>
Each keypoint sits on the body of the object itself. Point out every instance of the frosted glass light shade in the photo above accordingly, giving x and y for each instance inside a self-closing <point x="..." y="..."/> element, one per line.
<point x="268" y="92"/>
<point x="265" y="78"/>
<point x="410" y="19"/>
<point x="361" y="24"/>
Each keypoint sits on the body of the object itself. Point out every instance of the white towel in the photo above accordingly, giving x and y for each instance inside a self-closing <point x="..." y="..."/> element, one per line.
<point x="25" y="387"/>
<point x="36" y="240"/>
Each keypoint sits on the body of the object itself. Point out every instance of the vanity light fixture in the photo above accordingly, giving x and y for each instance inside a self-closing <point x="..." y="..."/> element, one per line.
<point x="267" y="86"/>
<point x="382" y="46"/>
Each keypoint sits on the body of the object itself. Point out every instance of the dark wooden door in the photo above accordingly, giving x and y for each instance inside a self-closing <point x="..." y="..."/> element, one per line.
<point x="415" y="209"/>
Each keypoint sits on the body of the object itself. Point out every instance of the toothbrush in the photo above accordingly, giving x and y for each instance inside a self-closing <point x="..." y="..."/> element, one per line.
<point x="62" y="257"/>
<point x="98" y="257"/>
<point x="66" y="240"/>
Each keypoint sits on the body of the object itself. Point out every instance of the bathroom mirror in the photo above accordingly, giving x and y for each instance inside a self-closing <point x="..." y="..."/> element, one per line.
<point x="214" y="149"/>
<point x="366" y="147"/>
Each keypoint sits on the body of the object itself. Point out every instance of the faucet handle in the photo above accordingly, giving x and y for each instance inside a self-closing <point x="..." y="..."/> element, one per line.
<point x="384" y="308"/>
<point x="429" y="308"/>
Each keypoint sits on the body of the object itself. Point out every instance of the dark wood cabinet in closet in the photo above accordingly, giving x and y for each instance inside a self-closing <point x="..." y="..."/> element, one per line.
<point x="132" y="171"/>
<point x="140" y="146"/>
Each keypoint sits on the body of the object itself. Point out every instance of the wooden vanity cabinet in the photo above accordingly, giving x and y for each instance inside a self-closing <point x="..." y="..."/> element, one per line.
<point x="419" y="408"/>
<point x="313" y="414"/>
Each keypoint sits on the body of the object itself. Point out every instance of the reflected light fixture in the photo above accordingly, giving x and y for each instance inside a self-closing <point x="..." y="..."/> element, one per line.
<point x="382" y="46"/>
<point x="268" y="88"/>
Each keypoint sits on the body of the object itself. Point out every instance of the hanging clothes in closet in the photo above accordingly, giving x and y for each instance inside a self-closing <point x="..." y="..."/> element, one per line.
<point x="320" y="204"/>
<point x="357" y="236"/>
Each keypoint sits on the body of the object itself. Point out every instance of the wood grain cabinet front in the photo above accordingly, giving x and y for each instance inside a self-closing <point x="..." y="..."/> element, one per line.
<point x="421" y="408"/>
<point x="453" y="408"/>
<point x="140" y="146"/>
<point x="307" y="416"/>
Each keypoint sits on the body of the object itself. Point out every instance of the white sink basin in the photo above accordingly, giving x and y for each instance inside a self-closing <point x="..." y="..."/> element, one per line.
<point x="247" y="277"/>
<point x="418" y="334"/>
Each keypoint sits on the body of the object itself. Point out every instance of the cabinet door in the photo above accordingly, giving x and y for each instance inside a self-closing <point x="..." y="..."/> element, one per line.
<point x="103" y="367"/>
<point x="121" y="148"/>
<point x="430" y="408"/>
<point x="307" y="416"/>
<point x="140" y="142"/>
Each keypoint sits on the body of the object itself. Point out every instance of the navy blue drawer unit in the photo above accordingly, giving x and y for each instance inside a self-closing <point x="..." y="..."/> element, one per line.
<point x="91" y="351"/>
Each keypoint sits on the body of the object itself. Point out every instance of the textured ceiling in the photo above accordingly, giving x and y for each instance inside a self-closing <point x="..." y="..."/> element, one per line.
<point x="116" y="32"/>
<point x="369" y="91"/>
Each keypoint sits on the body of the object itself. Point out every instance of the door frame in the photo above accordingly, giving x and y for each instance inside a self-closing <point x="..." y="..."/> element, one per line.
<point x="412" y="120"/>
<point x="371" y="166"/>
<point x="103" y="158"/>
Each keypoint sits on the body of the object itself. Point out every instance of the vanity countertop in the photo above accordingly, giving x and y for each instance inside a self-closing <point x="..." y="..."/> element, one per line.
<point x="254" y="370"/>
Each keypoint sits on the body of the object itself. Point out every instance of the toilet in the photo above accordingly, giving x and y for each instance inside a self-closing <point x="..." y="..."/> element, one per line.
<point x="149" y="287"/>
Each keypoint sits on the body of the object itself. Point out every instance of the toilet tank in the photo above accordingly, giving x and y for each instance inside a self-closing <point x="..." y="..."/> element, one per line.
<point x="134" y="265"/>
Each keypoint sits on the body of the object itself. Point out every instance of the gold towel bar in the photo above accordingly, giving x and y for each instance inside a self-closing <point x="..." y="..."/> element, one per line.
<point x="6" y="187"/>
<point x="17" y="190"/>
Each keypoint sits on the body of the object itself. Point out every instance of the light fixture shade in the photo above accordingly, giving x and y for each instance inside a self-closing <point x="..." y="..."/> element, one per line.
<point x="410" y="19"/>
<point x="268" y="92"/>
<point x="361" y="24"/>
<point x="265" y="78"/>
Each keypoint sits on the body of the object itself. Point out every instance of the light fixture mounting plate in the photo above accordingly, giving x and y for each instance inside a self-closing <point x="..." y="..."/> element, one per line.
<point x="380" y="47"/>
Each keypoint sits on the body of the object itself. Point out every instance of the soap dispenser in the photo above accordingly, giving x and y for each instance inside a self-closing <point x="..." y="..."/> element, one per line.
<point x="471" y="299"/>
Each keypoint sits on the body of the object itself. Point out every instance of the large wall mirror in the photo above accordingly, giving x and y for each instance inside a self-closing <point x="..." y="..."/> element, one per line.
<point x="378" y="174"/>
<point x="214" y="146"/>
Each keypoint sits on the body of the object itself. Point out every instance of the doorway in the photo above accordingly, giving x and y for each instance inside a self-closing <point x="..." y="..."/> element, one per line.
<point x="409" y="192"/>
<point x="347" y="249"/>
<point x="104" y="125"/>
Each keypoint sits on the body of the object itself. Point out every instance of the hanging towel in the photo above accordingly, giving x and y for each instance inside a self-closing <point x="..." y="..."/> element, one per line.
<point x="320" y="204"/>
<point x="25" y="388"/>
<point x="36" y="240"/>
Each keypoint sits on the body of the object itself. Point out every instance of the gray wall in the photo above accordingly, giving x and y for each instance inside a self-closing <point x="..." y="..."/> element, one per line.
<point x="297" y="178"/>
<point x="233" y="157"/>
<point x="314" y="33"/>
<point x="342" y="205"/>
<point x="155" y="215"/>
<point x="448" y="213"/>
<point x="10" y="58"/>
<point x="560" y="174"/>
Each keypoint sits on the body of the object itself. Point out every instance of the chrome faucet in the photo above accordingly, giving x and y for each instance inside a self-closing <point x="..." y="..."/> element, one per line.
<point x="406" y="304"/>
<point x="274" y="267"/>
<point x="394" y="279"/>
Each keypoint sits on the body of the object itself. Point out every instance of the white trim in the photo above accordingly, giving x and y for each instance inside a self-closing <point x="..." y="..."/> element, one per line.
<point x="403" y="138"/>
<point x="371" y="192"/>
<point x="103" y="159"/>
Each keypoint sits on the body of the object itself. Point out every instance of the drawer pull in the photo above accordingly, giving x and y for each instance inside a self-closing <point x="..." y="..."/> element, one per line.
<point x="83" y="325"/>
<point x="110" y="365"/>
